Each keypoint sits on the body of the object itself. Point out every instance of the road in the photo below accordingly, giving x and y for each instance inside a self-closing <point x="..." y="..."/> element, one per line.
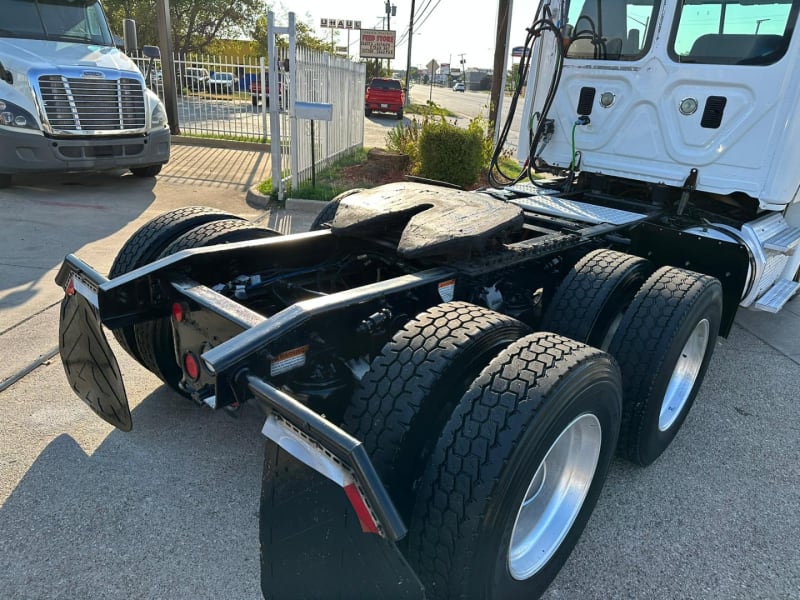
<point x="469" y="104"/>
<point x="170" y="509"/>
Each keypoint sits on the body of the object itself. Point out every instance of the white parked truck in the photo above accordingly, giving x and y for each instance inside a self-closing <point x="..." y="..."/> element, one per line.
<point x="447" y="374"/>
<point x="69" y="99"/>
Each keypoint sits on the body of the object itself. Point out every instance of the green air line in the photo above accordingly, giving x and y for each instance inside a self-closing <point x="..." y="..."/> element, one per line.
<point x="572" y="163"/>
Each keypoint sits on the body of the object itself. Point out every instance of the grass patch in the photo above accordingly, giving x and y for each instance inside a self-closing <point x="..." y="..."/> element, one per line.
<point x="509" y="166"/>
<point x="330" y="181"/>
<point x="429" y="108"/>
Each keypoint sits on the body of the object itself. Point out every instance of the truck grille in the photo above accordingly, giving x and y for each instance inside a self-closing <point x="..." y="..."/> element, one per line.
<point x="81" y="105"/>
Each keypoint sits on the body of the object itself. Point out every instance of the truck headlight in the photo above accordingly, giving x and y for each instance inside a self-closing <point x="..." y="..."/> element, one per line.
<point x="12" y="115"/>
<point x="158" y="114"/>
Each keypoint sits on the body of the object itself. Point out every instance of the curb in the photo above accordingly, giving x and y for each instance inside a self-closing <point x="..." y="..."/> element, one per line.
<point x="295" y="205"/>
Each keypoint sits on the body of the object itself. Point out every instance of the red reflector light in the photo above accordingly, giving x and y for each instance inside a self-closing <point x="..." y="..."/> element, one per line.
<point x="368" y="524"/>
<point x="70" y="290"/>
<point x="179" y="310"/>
<point x="191" y="366"/>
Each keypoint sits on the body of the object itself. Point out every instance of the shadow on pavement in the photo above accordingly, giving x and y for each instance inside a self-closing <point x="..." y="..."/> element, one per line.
<point x="48" y="216"/>
<point x="217" y="167"/>
<point x="167" y="511"/>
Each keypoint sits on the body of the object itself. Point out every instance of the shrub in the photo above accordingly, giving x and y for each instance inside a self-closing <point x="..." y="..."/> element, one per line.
<point x="450" y="153"/>
<point x="404" y="139"/>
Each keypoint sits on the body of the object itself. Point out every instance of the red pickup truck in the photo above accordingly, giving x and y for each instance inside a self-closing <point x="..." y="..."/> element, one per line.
<point x="384" y="95"/>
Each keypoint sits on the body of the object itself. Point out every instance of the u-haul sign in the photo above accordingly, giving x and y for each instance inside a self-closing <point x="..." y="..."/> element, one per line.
<point x="377" y="43"/>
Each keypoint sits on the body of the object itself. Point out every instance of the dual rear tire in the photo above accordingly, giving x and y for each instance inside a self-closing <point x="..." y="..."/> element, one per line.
<point x="498" y="486"/>
<point x="476" y="428"/>
<point x="151" y="343"/>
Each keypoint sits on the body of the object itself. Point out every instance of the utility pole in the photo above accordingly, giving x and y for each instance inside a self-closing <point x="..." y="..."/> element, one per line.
<point x="499" y="69"/>
<point x="391" y="11"/>
<point x="464" y="70"/>
<point x="167" y="65"/>
<point x="378" y="60"/>
<point x="408" y="62"/>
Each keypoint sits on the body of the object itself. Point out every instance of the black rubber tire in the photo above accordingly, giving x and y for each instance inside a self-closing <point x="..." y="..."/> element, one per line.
<point x="593" y="296"/>
<point x="648" y="343"/>
<point x="399" y="115"/>
<point x="325" y="216"/>
<point x="5" y="181"/>
<point x="149" y="171"/>
<point x="401" y="405"/>
<point x="147" y="244"/>
<point x="486" y="458"/>
<point x="154" y="338"/>
<point x="367" y="112"/>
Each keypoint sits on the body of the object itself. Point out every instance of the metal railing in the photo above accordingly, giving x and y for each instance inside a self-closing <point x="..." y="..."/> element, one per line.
<point x="332" y="80"/>
<point x="218" y="97"/>
<point x="240" y="99"/>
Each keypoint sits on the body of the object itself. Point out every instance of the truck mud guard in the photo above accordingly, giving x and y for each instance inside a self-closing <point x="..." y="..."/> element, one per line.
<point x="315" y="539"/>
<point x="89" y="363"/>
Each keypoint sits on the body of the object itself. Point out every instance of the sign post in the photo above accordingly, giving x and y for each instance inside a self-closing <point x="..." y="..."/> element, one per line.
<point x="432" y="66"/>
<point x="348" y="24"/>
<point x="313" y="111"/>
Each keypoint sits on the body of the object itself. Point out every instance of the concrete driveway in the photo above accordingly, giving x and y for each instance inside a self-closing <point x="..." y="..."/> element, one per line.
<point x="170" y="509"/>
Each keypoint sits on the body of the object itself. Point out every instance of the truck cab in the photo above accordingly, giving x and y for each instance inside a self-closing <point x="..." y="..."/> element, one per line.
<point x="689" y="105"/>
<point x="69" y="99"/>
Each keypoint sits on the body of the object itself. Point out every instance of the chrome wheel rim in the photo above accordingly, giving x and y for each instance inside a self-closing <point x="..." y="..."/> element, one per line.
<point x="554" y="496"/>
<point x="684" y="376"/>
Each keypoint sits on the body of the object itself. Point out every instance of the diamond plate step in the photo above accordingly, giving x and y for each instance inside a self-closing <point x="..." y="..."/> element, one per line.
<point x="577" y="211"/>
<point x="784" y="241"/>
<point x="778" y="295"/>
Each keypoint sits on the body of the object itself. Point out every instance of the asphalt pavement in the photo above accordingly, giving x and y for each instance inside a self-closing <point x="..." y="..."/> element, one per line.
<point x="170" y="509"/>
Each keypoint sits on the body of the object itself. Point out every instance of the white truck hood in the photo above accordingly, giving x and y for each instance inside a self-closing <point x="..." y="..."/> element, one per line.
<point x="21" y="55"/>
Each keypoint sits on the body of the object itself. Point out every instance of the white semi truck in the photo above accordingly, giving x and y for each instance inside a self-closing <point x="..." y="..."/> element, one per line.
<point x="69" y="99"/>
<point x="446" y="375"/>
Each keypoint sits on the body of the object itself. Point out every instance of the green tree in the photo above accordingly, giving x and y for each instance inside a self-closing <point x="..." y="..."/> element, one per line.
<point x="305" y="37"/>
<point x="195" y="23"/>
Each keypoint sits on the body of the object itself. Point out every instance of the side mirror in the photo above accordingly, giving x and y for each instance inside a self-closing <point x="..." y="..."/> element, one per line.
<point x="129" y="35"/>
<point x="151" y="52"/>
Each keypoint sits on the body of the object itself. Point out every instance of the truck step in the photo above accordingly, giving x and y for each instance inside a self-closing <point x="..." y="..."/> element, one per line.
<point x="784" y="241"/>
<point x="574" y="210"/>
<point x="778" y="295"/>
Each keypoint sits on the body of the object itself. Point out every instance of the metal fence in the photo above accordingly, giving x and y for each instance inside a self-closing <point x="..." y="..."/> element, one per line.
<point x="322" y="78"/>
<point x="224" y="98"/>
<point x="218" y="97"/>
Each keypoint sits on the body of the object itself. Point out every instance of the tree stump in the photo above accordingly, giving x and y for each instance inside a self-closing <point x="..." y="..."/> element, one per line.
<point x="382" y="163"/>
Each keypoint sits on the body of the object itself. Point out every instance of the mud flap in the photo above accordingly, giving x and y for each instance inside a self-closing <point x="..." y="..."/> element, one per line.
<point x="312" y="544"/>
<point x="90" y="365"/>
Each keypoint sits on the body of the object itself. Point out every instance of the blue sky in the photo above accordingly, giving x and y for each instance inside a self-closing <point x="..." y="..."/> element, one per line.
<point x="447" y="28"/>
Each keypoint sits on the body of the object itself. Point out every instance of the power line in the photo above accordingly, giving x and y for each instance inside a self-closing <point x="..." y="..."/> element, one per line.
<point x="420" y="20"/>
<point x="425" y="18"/>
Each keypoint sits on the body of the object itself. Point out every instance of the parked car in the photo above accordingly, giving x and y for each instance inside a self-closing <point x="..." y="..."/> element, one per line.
<point x="459" y="87"/>
<point x="224" y="83"/>
<point x="384" y="95"/>
<point x="255" y="93"/>
<point x="195" y="79"/>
